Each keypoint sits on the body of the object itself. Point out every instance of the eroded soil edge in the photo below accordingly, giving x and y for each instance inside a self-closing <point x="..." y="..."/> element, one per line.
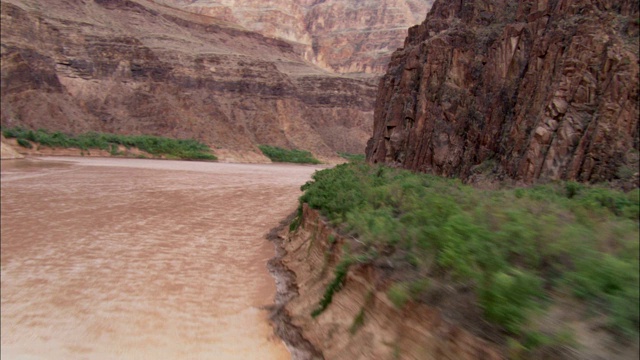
<point x="287" y="289"/>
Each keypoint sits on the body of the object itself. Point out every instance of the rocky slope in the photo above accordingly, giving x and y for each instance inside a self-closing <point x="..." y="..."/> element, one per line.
<point x="343" y="36"/>
<point x="526" y="90"/>
<point x="133" y="66"/>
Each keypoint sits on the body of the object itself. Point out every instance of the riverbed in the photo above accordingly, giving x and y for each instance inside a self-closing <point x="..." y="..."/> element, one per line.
<point x="106" y="258"/>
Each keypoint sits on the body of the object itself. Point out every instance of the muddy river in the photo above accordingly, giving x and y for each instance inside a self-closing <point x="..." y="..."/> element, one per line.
<point x="140" y="259"/>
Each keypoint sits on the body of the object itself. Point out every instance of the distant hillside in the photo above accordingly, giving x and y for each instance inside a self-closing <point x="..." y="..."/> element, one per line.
<point x="136" y="67"/>
<point x="343" y="36"/>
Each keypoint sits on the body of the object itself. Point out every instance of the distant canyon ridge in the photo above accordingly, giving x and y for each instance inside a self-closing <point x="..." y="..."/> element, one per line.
<point x="233" y="74"/>
<point x="342" y="36"/>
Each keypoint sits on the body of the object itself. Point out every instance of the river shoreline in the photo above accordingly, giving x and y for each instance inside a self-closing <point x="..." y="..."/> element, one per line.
<point x="286" y="289"/>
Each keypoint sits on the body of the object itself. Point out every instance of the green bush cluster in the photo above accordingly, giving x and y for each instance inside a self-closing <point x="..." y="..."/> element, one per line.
<point x="25" y="143"/>
<point x="155" y="145"/>
<point x="399" y="294"/>
<point x="352" y="157"/>
<point x="340" y="275"/>
<point x="512" y="246"/>
<point x="277" y="154"/>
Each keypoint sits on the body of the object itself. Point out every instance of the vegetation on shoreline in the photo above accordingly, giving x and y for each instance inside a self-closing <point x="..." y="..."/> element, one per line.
<point x="154" y="145"/>
<point x="335" y="285"/>
<point x="518" y="250"/>
<point x="277" y="154"/>
<point x="352" y="157"/>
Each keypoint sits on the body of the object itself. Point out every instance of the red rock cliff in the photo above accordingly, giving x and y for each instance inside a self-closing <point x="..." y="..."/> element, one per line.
<point x="531" y="89"/>
<point x="133" y="66"/>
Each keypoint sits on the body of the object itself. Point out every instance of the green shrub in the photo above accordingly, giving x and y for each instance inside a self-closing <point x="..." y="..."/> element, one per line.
<point x="614" y="281"/>
<point x="278" y="154"/>
<point x="321" y="193"/>
<point x="399" y="294"/>
<point x="10" y="133"/>
<point x="617" y="202"/>
<point x="625" y="172"/>
<point x="24" y="143"/>
<point x="508" y="298"/>
<point x="358" y="321"/>
<point x="535" y="339"/>
<point x="155" y="145"/>
<point x="625" y="313"/>
<point x="599" y="276"/>
<point x="295" y="223"/>
<point x="573" y="188"/>
<point x="377" y="226"/>
<point x="352" y="157"/>
<point x="113" y="150"/>
<point x="512" y="247"/>
<point x="334" y="286"/>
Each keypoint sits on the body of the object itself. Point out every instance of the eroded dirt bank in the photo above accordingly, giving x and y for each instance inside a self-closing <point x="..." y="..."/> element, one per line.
<point x="360" y="322"/>
<point x="140" y="259"/>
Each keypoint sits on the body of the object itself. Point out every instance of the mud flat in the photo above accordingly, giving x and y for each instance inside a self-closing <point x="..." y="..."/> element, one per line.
<point x="140" y="259"/>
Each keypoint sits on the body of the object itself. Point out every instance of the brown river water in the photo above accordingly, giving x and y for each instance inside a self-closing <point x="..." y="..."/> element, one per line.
<point x="140" y="259"/>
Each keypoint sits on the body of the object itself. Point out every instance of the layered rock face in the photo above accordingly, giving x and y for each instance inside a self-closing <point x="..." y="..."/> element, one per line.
<point x="136" y="67"/>
<point x="359" y="36"/>
<point x="529" y="89"/>
<point x="343" y="36"/>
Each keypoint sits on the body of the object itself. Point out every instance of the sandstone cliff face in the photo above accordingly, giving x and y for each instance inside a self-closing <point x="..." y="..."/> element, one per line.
<point x="361" y="322"/>
<point x="343" y="36"/>
<point x="135" y="67"/>
<point x="531" y="89"/>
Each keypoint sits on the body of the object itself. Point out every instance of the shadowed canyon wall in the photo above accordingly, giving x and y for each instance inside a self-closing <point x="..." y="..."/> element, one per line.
<point x="526" y="90"/>
<point x="136" y="67"/>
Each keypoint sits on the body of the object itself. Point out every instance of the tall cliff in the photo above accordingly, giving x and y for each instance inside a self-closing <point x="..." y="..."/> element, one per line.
<point x="526" y="90"/>
<point x="133" y="66"/>
<point x="342" y="36"/>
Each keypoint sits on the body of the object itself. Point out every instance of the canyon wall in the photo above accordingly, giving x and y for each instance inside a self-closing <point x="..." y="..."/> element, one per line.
<point x="136" y="67"/>
<point x="342" y="36"/>
<point x="534" y="89"/>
